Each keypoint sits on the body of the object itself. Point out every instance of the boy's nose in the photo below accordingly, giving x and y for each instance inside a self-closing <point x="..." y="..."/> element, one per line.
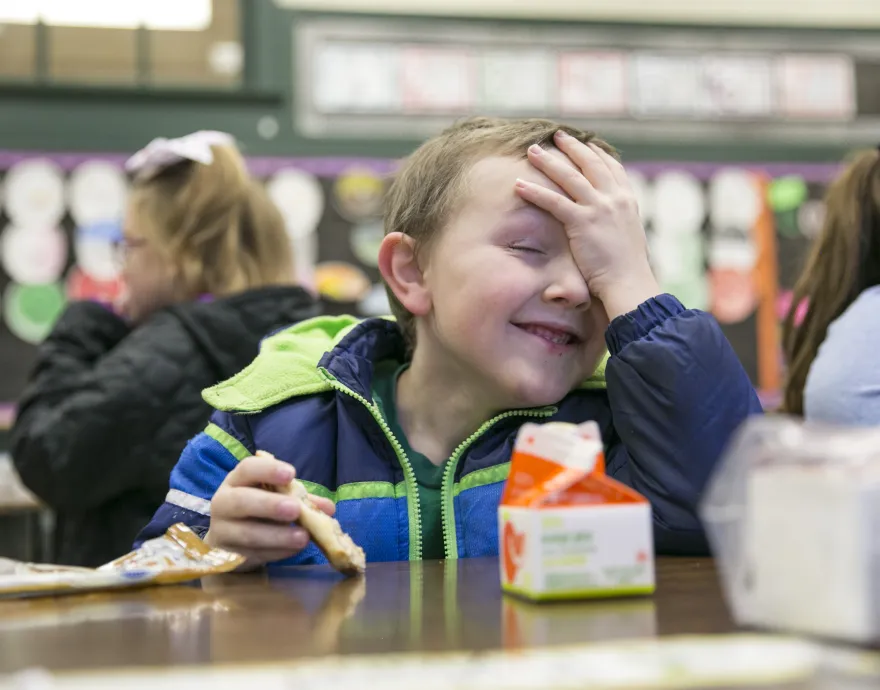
<point x="568" y="287"/>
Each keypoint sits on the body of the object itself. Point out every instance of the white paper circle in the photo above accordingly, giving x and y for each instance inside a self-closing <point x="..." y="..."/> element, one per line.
<point x="731" y="254"/>
<point x="33" y="256"/>
<point x="300" y="199"/>
<point x="642" y="189"/>
<point x="94" y="251"/>
<point x="226" y="57"/>
<point x="678" y="259"/>
<point x="678" y="203"/>
<point x="305" y="258"/>
<point x="730" y="233"/>
<point x="376" y="302"/>
<point x="35" y="193"/>
<point x="734" y="199"/>
<point x="268" y="127"/>
<point x="97" y="192"/>
<point x="811" y="218"/>
<point x="693" y="294"/>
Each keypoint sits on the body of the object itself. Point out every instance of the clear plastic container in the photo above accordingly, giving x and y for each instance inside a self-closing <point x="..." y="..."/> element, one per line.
<point x="793" y="516"/>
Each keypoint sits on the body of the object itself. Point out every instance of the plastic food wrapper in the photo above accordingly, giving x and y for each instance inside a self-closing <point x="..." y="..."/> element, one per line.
<point x="566" y="529"/>
<point x="793" y="516"/>
<point x="177" y="556"/>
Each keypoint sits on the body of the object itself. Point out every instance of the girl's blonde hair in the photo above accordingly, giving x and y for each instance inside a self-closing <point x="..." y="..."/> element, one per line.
<point x="216" y="224"/>
<point x="844" y="261"/>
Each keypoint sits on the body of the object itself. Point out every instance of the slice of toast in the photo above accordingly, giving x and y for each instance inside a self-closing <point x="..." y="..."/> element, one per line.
<point x="339" y="548"/>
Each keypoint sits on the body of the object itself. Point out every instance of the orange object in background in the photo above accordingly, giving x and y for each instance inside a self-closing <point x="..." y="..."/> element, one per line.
<point x="770" y="374"/>
<point x="566" y="529"/>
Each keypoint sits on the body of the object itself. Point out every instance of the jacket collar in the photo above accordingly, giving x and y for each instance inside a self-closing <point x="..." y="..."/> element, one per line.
<point x="292" y="363"/>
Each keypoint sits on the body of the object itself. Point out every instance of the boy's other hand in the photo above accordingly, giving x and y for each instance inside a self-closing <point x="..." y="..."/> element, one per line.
<point x="254" y="521"/>
<point x="601" y="217"/>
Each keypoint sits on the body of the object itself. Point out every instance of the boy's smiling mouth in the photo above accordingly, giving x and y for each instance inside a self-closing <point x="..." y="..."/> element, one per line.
<point x="558" y="335"/>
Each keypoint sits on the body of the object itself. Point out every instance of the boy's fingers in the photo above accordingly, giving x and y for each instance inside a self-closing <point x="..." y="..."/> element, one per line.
<point x="254" y="559"/>
<point x="252" y="536"/>
<point x="563" y="209"/>
<point x="323" y="504"/>
<point x="246" y="502"/>
<point x="586" y="159"/>
<point x="614" y="165"/>
<point x="254" y="471"/>
<point x="555" y="167"/>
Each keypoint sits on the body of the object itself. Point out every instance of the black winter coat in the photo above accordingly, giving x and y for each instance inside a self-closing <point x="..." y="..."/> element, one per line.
<point x="108" y="410"/>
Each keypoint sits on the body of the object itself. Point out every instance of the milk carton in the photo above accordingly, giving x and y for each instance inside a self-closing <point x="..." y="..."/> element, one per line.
<point x="566" y="529"/>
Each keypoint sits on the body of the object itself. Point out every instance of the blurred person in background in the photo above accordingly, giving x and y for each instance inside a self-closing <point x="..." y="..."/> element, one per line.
<point x="832" y="354"/>
<point x="116" y="392"/>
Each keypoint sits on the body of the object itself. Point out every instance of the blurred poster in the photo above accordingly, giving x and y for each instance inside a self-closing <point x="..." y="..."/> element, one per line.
<point x="356" y="78"/>
<point x="35" y="193"/>
<point x="664" y="84"/>
<point x="592" y="83"/>
<point x="816" y="86"/>
<point x="438" y="79"/>
<point x="97" y="191"/>
<point x="736" y="86"/>
<point x="517" y="82"/>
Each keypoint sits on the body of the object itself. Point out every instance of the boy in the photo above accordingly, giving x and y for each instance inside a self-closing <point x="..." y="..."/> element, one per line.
<point x="509" y="247"/>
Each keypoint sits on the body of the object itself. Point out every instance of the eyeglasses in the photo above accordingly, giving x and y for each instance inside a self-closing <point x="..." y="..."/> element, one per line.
<point x="123" y="247"/>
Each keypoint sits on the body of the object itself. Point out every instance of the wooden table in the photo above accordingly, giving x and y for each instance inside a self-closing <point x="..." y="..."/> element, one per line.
<point x="309" y="612"/>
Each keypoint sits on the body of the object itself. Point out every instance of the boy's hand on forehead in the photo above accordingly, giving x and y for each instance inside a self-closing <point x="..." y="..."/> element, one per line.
<point x="601" y="218"/>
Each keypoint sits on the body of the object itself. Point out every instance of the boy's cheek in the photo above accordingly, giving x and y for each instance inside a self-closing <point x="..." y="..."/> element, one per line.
<point x="594" y="352"/>
<point x="599" y="316"/>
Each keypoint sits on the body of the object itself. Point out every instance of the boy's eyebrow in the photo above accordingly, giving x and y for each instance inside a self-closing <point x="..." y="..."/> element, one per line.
<point x="523" y="217"/>
<point x="525" y="209"/>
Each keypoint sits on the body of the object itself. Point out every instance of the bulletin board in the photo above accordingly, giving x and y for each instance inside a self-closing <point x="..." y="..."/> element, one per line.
<point x="407" y="77"/>
<point x="727" y="239"/>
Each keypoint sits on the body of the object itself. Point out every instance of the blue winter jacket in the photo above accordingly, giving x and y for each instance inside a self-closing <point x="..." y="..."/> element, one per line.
<point x="667" y="399"/>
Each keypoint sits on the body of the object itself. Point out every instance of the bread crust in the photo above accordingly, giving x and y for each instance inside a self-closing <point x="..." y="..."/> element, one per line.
<point x="339" y="548"/>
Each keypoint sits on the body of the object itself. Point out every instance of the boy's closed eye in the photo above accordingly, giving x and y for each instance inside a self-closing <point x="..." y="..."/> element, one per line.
<point x="525" y="247"/>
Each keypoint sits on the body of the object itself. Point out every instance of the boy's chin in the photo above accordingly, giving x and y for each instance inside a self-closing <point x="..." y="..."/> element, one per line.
<point x="539" y="393"/>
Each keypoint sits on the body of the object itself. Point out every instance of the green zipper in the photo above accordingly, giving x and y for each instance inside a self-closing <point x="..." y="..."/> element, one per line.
<point x="447" y="512"/>
<point x="412" y="499"/>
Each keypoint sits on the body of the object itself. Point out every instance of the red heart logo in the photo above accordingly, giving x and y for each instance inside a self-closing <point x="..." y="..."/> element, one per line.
<point x="514" y="550"/>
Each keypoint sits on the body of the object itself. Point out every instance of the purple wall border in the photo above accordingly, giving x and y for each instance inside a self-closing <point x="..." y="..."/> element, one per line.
<point x="263" y="166"/>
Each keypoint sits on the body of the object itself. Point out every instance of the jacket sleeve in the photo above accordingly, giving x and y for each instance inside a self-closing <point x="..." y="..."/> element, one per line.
<point x="88" y="420"/>
<point x="202" y="467"/>
<point x="677" y="392"/>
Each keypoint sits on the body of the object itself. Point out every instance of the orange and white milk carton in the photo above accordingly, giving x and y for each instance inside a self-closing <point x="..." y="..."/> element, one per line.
<point x="566" y="530"/>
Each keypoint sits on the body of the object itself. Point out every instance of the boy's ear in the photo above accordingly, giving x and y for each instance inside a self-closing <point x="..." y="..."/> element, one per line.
<point x="400" y="270"/>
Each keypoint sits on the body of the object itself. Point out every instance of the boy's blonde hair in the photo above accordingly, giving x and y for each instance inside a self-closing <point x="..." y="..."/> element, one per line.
<point x="430" y="185"/>
<point x="216" y="224"/>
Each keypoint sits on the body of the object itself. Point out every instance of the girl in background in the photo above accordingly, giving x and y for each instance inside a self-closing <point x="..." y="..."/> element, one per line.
<point x="834" y="353"/>
<point x="116" y="393"/>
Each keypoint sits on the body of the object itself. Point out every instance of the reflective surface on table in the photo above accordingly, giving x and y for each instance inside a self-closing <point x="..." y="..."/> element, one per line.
<point x="307" y="612"/>
<point x="297" y="612"/>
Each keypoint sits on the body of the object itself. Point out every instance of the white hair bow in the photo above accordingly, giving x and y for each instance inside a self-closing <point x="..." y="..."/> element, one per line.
<point x="162" y="153"/>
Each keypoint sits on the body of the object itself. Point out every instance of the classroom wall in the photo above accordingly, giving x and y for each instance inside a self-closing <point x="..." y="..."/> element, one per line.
<point x="819" y="13"/>
<point x="53" y="116"/>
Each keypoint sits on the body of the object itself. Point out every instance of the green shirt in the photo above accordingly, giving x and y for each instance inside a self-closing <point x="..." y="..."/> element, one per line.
<point x="429" y="476"/>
